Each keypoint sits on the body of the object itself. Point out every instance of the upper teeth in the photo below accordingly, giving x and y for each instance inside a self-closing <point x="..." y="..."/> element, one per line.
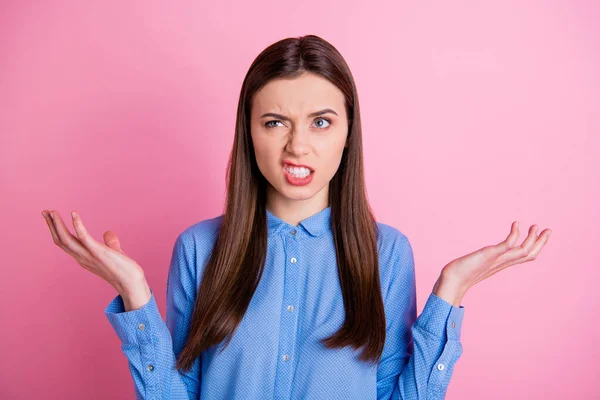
<point x="298" y="171"/>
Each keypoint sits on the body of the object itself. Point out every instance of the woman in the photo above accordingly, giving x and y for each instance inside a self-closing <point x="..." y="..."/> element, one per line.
<point x="296" y="291"/>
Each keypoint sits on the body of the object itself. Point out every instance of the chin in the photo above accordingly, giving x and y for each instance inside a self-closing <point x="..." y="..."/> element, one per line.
<point x="295" y="192"/>
<point x="298" y="193"/>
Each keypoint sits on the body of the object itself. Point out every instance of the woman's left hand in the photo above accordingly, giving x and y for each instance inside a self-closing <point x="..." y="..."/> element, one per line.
<point x="464" y="272"/>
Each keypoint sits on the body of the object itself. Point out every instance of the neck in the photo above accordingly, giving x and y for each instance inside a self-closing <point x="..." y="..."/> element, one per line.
<point x="293" y="211"/>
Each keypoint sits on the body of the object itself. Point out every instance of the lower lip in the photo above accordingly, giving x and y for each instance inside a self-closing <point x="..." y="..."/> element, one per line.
<point x="298" y="181"/>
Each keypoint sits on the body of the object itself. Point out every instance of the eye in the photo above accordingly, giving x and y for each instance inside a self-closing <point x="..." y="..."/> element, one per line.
<point x="323" y="119"/>
<point x="271" y="126"/>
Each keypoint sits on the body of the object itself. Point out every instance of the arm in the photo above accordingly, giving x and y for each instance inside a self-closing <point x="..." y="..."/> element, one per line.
<point x="419" y="355"/>
<point x="150" y="344"/>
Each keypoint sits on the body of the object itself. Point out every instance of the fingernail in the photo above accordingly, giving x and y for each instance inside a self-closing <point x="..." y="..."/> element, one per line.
<point x="43" y="214"/>
<point x="52" y="215"/>
<point x="549" y="233"/>
<point x="73" y="214"/>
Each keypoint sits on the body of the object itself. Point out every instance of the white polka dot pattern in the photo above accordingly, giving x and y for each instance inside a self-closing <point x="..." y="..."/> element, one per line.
<point x="276" y="351"/>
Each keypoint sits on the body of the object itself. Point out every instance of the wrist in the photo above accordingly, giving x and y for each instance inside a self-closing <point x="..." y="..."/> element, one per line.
<point x="135" y="295"/>
<point x="449" y="289"/>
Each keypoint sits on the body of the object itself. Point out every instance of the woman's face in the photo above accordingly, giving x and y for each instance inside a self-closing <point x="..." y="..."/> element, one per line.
<point x="289" y="124"/>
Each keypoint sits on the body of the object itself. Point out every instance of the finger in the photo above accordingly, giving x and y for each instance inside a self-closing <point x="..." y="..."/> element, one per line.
<point x="112" y="241"/>
<point x="68" y="241"/>
<point x="83" y="235"/>
<point x="522" y="252"/>
<point x="96" y="248"/>
<point x="528" y="243"/>
<point x="107" y="256"/>
<point x="55" y="234"/>
<point x="539" y="244"/>
<point x="507" y="243"/>
<point x="541" y="241"/>
<point x="51" y="226"/>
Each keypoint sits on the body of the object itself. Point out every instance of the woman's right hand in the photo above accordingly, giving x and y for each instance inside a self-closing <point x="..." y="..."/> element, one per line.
<point x="106" y="260"/>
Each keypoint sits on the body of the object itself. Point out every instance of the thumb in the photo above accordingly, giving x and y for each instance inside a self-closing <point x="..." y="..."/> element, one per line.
<point x="112" y="241"/>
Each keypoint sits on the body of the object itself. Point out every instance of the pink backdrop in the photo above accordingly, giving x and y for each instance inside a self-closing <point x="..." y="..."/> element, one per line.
<point x="474" y="115"/>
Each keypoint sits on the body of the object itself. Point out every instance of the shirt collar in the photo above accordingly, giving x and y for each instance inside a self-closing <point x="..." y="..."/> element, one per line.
<point x="315" y="225"/>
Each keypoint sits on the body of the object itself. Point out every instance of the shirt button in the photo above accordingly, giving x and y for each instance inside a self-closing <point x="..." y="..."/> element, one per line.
<point x="454" y="324"/>
<point x="150" y="367"/>
<point x="293" y="260"/>
<point x="142" y="327"/>
<point x="290" y="308"/>
<point x="285" y="357"/>
<point x="293" y="232"/>
<point x="440" y="366"/>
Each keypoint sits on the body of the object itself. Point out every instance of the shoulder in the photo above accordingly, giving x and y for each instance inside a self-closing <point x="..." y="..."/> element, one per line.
<point x="389" y="238"/>
<point x="395" y="255"/>
<point x="195" y="243"/>
<point x="202" y="232"/>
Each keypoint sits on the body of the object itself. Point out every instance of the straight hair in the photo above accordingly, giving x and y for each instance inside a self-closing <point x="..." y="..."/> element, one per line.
<point x="236" y="264"/>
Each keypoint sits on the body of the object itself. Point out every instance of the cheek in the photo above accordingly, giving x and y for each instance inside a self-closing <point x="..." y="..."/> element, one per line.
<point x="332" y="154"/>
<point x="266" y="157"/>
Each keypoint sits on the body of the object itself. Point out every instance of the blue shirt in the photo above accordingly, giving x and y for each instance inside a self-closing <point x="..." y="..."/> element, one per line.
<point x="276" y="352"/>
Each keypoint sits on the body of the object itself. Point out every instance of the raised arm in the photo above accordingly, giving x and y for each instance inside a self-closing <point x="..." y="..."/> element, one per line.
<point x="150" y="344"/>
<point x="420" y="353"/>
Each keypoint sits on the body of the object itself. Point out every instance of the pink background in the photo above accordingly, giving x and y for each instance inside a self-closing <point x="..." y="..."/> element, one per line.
<point x="474" y="114"/>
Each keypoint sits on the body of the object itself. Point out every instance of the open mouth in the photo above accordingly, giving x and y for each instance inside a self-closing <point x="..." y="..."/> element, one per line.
<point x="298" y="175"/>
<point x="297" y="172"/>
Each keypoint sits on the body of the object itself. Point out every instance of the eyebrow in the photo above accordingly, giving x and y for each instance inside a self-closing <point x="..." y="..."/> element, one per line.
<point x="315" y="114"/>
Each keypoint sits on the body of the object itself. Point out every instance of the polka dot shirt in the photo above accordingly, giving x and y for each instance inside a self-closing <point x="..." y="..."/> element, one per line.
<point x="276" y="351"/>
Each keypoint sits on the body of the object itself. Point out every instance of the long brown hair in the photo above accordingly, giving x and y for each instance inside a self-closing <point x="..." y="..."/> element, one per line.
<point x="237" y="261"/>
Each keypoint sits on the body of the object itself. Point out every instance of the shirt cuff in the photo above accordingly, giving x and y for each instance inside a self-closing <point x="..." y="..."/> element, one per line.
<point x="135" y="326"/>
<point x="439" y="317"/>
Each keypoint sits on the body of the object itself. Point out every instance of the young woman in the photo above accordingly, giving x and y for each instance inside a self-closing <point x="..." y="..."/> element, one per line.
<point x="295" y="291"/>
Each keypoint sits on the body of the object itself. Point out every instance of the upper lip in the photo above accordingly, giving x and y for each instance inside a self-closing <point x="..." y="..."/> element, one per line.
<point x="287" y="162"/>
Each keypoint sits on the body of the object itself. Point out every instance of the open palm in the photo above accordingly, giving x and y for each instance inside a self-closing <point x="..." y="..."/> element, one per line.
<point x="485" y="262"/>
<point x="107" y="260"/>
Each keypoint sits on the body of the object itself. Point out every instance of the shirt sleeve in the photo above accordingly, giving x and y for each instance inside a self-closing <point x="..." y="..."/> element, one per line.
<point x="420" y="353"/>
<point x="150" y="344"/>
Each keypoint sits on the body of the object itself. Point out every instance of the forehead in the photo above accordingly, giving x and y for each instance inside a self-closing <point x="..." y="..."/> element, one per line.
<point x="298" y="96"/>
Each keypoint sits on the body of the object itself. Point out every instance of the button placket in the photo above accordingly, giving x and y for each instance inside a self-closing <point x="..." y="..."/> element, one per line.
<point x="453" y="324"/>
<point x="445" y="363"/>
<point x="289" y="322"/>
<point x="148" y="356"/>
<point x="147" y="353"/>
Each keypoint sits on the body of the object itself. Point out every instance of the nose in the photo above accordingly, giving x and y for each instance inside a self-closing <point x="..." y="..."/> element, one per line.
<point x="299" y="143"/>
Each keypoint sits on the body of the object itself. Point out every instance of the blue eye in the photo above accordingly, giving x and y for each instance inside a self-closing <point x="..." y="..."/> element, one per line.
<point x="271" y="126"/>
<point x="268" y="123"/>
<point x="324" y="119"/>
